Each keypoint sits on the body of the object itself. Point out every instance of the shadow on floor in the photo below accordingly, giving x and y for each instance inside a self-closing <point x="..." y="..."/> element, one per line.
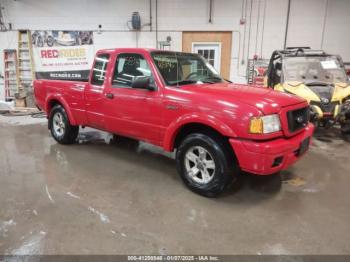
<point x="155" y="158"/>
<point x="329" y="135"/>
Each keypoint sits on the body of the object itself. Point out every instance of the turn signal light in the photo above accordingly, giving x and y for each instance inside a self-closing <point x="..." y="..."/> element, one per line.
<point x="256" y="125"/>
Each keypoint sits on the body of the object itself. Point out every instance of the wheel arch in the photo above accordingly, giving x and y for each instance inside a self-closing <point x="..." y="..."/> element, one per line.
<point x="52" y="101"/>
<point x="226" y="166"/>
<point x="178" y="130"/>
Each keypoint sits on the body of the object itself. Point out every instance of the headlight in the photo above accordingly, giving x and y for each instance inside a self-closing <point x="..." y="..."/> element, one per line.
<point x="265" y="124"/>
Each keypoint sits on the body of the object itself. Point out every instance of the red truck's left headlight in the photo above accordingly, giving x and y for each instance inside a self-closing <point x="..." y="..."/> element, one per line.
<point x="265" y="124"/>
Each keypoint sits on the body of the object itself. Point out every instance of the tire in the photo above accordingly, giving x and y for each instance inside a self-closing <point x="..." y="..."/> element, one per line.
<point x="61" y="130"/>
<point x="217" y="152"/>
<point x="33" y="39"/>
<point x="39" y="41"/>
<point x="50" y="41"/>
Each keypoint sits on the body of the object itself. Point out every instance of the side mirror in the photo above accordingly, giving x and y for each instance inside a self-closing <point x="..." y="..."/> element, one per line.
<point x="142" y="82"/>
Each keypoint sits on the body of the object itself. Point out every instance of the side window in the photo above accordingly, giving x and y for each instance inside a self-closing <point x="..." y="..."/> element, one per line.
<point x="277" y="72"/>
<point x="129" y="66"/>
<point x="99" y="70"/>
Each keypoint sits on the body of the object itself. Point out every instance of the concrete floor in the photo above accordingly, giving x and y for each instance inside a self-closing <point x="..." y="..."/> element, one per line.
<point x="95" y="198"/>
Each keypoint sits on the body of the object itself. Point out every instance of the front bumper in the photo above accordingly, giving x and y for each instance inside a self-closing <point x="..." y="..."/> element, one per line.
<point x="260" y="157"/>
<point x="320" y="111"/>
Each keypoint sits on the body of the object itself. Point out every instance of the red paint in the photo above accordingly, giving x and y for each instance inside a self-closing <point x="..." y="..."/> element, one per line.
<point x="49" y="53"/>
<point x="157" y="116"/>
<point x="257" y="157"/>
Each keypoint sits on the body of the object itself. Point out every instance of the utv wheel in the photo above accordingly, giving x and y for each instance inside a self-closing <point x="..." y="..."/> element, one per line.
<point x="61" y="130"/>
<point x="346" y="136"/>
<point x="345" y="131"/>
<point x="206" y="164"/>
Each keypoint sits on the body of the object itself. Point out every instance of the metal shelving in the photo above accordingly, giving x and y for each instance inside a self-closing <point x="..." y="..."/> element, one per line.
<point x="11" y="77"/>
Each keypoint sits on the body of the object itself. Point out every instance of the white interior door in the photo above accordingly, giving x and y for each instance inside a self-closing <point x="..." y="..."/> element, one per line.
<point x="210" y="51"/>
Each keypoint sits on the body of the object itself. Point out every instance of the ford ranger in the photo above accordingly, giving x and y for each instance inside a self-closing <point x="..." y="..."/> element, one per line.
<point x="179" y="102"/>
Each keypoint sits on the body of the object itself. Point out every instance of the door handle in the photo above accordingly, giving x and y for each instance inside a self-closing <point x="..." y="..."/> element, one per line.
<point x="109" y="95"/>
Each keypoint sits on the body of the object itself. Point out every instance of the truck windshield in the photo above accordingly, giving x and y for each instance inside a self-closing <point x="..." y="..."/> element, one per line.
<point x="309" y="69"/>
<point x="179" y="68"/>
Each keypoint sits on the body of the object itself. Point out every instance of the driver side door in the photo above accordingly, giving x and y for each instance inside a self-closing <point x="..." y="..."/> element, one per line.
<point x="132" y="112"/>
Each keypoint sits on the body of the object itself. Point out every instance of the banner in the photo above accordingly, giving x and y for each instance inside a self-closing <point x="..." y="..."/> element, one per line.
<point x="66" y="55"/>
<point x="256" y="71"/>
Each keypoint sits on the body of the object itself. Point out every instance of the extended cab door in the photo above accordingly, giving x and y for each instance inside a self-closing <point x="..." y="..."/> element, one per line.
<point x="131" y="111"/>
<point x="94" y="92"/>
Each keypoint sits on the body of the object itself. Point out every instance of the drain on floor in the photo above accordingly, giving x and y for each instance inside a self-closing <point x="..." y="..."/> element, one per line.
<point x="297" y="181"/>
<point x="291" y="179"/>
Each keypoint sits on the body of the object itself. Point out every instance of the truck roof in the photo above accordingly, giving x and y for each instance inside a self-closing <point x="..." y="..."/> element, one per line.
<point x="134" y="49"/>
<point x="126" y="49"/>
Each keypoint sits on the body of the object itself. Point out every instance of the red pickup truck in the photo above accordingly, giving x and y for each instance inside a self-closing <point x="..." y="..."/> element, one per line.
<point x="179" y="102"/>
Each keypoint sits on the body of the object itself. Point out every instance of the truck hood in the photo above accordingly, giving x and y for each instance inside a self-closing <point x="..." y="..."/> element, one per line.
<point x="265" y="99"/>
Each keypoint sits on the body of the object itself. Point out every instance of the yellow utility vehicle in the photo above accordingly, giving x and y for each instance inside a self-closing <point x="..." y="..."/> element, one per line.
<point x="318" y="77"/>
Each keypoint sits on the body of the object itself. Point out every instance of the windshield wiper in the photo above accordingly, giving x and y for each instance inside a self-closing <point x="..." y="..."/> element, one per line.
<point x="211" y="80"/>
<point x="184" y="82"/>
<point x="205" y="80"/>
<point x="212" y="77"/>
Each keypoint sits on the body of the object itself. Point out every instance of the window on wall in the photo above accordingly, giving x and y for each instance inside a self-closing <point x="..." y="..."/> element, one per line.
<point x="128" y="67"/>
<point x="99" y="70"/>
<point x="208" y="55"/>
<point x="210" y="51"/>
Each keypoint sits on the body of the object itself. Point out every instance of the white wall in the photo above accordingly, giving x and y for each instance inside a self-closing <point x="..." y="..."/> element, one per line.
<point x="263" y="32"/>
<point x="337" y="30"/>
<point x="321" y="24"/>
<point x="306" y="23"/>
<point x="8" y="40"/>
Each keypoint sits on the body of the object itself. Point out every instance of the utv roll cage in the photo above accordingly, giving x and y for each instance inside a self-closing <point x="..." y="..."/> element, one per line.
<point x="278" y="55"/>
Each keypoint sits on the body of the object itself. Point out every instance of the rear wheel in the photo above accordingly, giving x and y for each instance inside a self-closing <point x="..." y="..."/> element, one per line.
<point x="61" y="130"/>
<point x="205" y="164"/>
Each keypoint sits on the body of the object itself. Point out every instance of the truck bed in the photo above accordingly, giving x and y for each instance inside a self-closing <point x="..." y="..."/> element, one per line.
<point x="72" y="92"/>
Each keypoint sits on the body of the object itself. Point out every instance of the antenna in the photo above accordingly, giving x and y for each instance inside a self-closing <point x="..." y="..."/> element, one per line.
<point x="177" y="70"/>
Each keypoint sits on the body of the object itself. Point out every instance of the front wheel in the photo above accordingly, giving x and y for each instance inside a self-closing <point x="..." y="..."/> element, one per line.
<point x="206" y="164"/>
<point x="61" y="130"/>
<point x="39" y="41"/>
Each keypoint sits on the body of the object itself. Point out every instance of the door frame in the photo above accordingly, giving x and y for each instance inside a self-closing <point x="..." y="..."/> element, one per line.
<point x="210" y="43"/>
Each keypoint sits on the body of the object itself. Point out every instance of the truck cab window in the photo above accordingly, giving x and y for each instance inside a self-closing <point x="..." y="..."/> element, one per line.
<point x="129" y="66"/>
<point x="99" y="70"/>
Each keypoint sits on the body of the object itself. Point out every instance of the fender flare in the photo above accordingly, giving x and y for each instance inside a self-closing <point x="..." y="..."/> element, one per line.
<point x="65" y="105"/>
<point x="208" y="120"/>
